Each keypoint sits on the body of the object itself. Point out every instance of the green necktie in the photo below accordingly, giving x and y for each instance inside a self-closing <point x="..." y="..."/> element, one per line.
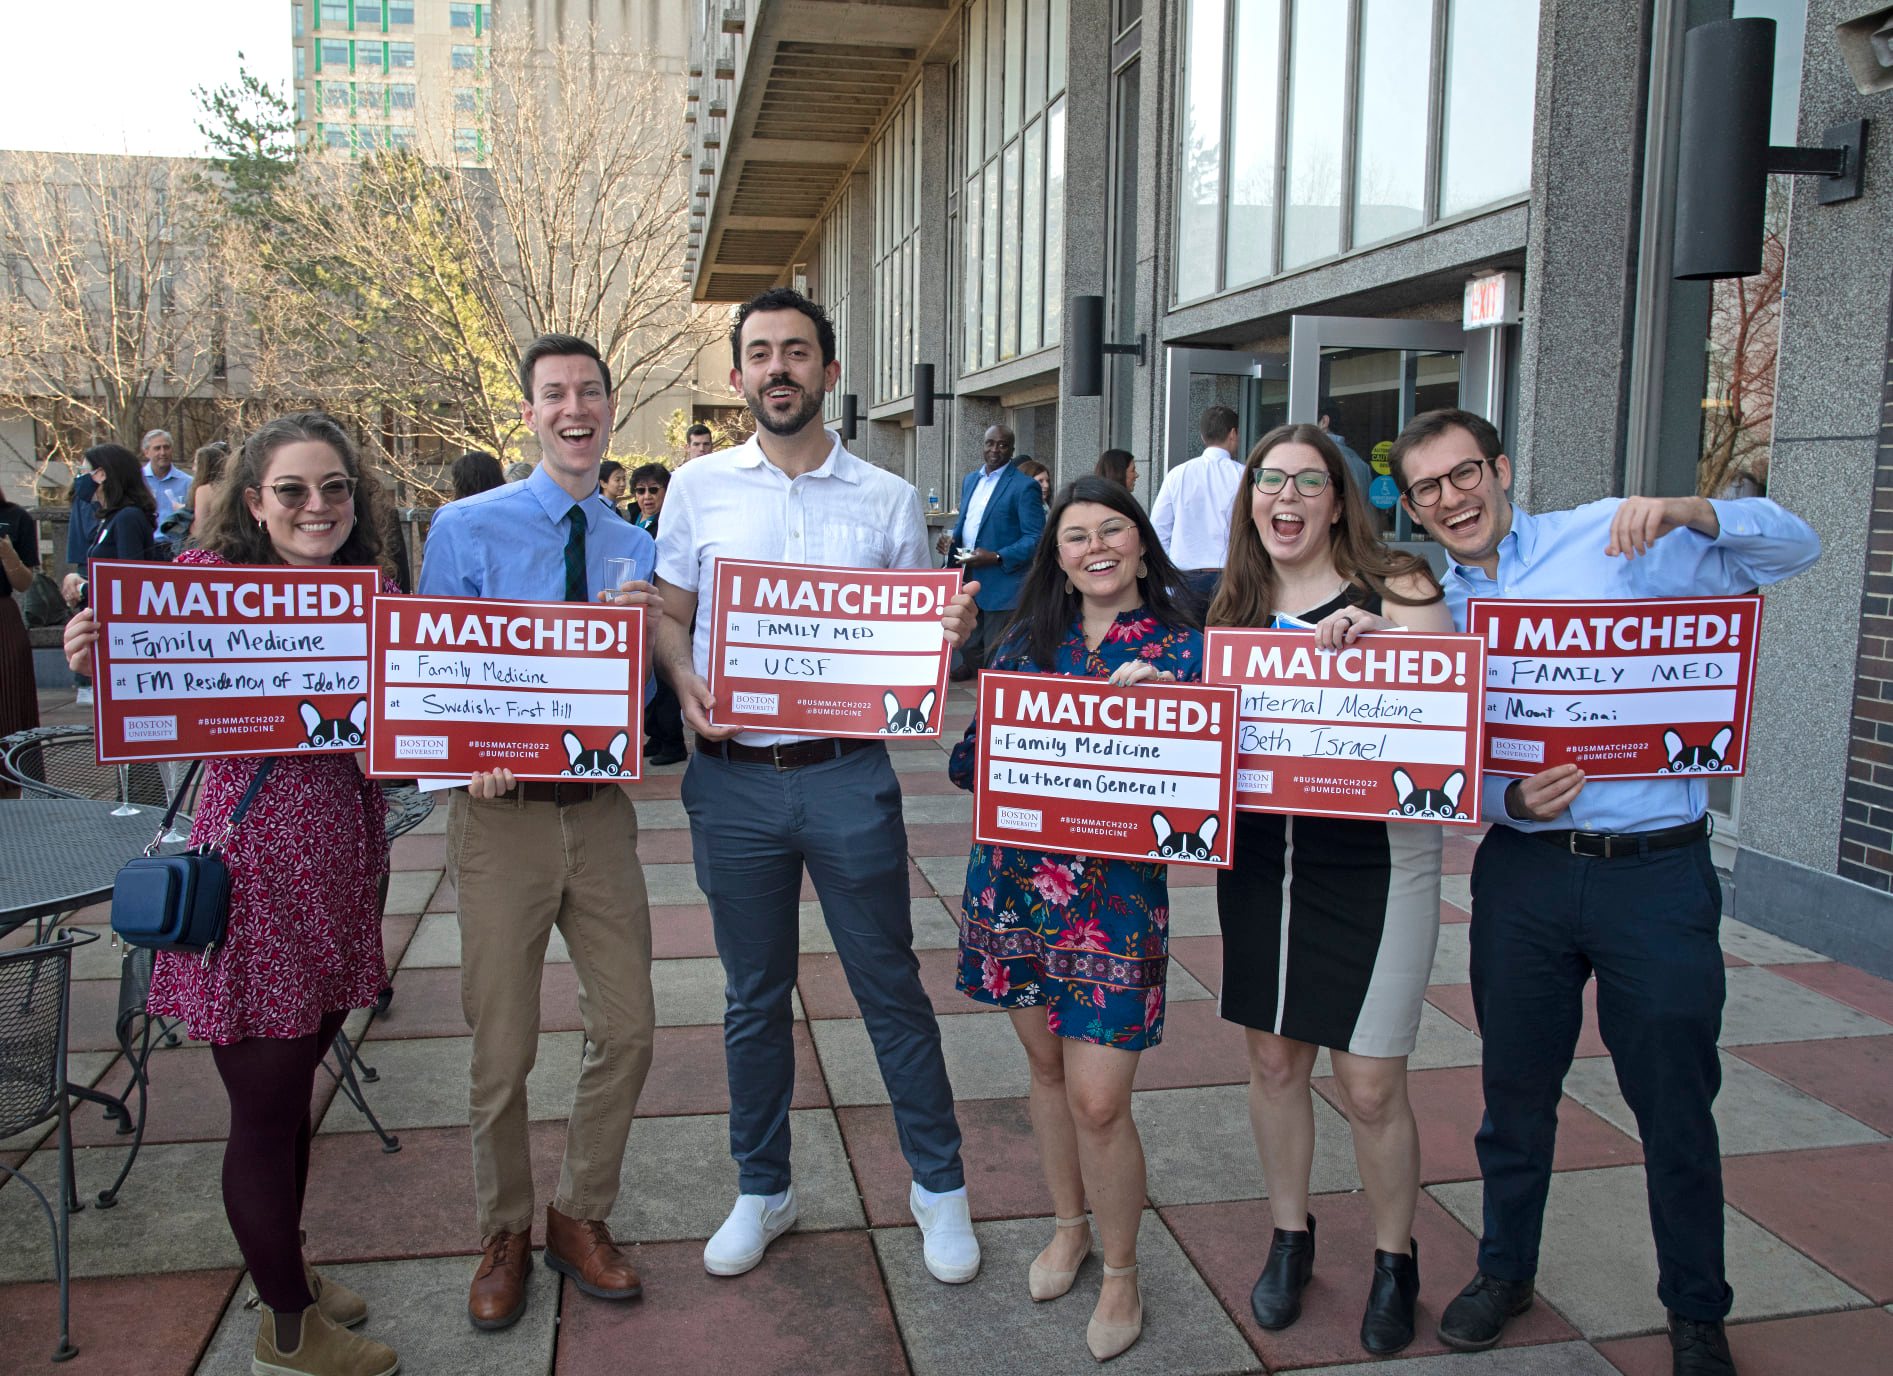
<point x="575" y="557"/>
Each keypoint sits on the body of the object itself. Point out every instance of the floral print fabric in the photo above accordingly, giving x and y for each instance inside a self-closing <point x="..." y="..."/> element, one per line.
<point x="1085" y="938"/>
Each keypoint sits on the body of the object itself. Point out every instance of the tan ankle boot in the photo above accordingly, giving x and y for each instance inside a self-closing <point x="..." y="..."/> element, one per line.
<point x="324" y="1350"/>
<point x="339" y="1304"/>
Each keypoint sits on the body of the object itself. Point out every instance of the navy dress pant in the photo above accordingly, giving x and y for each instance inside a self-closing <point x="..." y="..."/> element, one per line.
<point x="1543" y="922"/>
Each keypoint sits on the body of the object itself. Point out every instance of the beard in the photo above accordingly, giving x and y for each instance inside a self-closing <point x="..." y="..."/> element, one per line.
<point x="810" y="408"/>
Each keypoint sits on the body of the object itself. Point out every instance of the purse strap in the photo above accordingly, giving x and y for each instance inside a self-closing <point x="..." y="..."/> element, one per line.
<point x="236" y="816"/>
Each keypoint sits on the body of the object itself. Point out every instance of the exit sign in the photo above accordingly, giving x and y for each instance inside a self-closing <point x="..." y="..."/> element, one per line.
<point x="1493" y="298"/>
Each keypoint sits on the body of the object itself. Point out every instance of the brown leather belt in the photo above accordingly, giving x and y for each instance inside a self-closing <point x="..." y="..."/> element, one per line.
<point x="560" y="792"/>
<point x="791" y="756"/>
<point x="1616" y="845"/>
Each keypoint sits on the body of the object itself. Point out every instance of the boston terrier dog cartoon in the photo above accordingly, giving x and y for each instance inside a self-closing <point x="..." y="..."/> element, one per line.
<point x="1184" y="845"/>
<point x="322" y="731"/>
<point x="594" y="763"/>
<point x="1431" y="804"/>
<point x="1698" y="759"/>
<point x="906" y="721"/>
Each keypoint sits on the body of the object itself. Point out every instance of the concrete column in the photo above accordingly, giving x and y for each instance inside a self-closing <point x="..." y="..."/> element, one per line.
<point x="1156" y="199"/>
<point x="1587" y="137"/>
<point x="929" y="307"/>
<point x="1087" y="214"/>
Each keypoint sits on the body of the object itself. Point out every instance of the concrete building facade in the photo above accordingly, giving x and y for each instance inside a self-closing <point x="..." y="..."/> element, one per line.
<point x="1284" y="203"/>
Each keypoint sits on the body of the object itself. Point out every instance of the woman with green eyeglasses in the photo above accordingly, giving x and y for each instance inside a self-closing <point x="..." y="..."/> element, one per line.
<point x="303" y="943"/>
<point x="1328" y="924"/>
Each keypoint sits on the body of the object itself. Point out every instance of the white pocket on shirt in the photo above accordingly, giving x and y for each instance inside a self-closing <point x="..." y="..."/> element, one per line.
<point x="853" y="546"/>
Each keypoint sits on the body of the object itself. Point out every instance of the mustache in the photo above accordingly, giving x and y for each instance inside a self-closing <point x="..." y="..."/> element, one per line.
<point x="779" y="380"/>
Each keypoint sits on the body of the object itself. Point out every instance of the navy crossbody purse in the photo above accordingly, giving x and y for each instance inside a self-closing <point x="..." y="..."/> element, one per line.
<point x="179" y="902"/>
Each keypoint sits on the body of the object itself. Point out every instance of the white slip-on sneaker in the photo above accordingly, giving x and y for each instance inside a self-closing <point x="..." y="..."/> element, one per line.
<point x="746" y="1234"/>
<point x="946" y="1230"/>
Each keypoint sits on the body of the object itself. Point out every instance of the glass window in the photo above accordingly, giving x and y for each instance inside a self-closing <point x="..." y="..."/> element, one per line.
<point x="1201" y="171"/>
<point x="401" y="96"/>
<point x="1317" y="76"/>
<point x="400" y="55"/>
<point x="334" y="98"/>
<point x="1054" y="222"/>
<point x="465" y="57"/>
<point x="1035" y="21"/>
<point x="367" y="14"/>
<point x="295" y="21"/>
<point x="1390" y="144"/>
<point x="1032" y="255"/>
<point x="467" y="142"/>
<point x="990" y="304"/>
<point x="368" y="55"/>
<point x="333" y="14"/>
<point x="973" y="69"/>
<point x="972" y="217"/>
<point x="333" y="137"/>
<point x="302" y="63"/>
<point x="1061" y="35"/>
<point x="1249" y="228"/>
<point x="401" y="12"/>
<point x="1015" y="63"/>
<point x="368" y="138"/>
<point x="401" y="136"/>
<point x="302" y="105"/>
<point x="1491" y="80"/>
<point x="1009" y="253"/>
<point x="332" y="52"/>
<point x="466" y="100"/>
<point x="460" y="16"/>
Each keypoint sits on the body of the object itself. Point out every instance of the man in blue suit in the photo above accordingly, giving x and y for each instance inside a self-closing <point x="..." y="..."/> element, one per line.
<point x="1001" y="515"/>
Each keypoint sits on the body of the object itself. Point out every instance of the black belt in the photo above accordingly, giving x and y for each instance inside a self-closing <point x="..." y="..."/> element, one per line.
<point x="1615" y="845"/>
<point x="559" y="792"/>
<point x="792" y="756"/>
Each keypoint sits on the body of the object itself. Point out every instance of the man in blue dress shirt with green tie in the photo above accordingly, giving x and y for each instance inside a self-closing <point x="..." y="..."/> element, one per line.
<point x="1611" y="878"/>
<point x="526" y="857"/>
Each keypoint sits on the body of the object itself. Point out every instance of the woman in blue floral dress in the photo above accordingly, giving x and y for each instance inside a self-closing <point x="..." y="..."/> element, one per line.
<point x="1074" y="947"/>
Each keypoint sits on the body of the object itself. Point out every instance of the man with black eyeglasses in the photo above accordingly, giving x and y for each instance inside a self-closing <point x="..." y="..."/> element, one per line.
<point x="1611" y="878"/>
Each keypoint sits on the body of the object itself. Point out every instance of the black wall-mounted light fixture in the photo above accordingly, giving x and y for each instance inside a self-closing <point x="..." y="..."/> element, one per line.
<point x="850" y="415"/>
<point x="924" y="395"/>
<point x="1723" y="153"/>
<point x="1085" y="347"/>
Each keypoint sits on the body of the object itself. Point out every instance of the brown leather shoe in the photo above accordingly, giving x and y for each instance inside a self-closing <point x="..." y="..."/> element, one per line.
<point x="582" y="1249"/>
<point x="498" y="1295"/>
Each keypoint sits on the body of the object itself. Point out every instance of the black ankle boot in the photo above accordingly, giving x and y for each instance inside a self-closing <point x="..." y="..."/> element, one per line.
<point x="1698" y="1348"/>
<point x="1276" y="1298"/>
<point x="1387" y="1326"/>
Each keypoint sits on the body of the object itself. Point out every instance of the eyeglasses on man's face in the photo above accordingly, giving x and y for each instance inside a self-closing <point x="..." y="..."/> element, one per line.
<point x="295" y="495"/>
<point x="1464" y="476"/>
<point x="1310" y="482"/>
<point x="1076" y="541"/>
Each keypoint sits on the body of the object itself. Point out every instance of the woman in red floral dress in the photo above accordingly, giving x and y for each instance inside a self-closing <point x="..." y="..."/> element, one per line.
<point x="303" y="945"/>
<point x="1076" y="947"/>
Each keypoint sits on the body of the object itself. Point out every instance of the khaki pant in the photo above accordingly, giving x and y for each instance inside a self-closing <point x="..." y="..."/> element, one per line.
<point x="522" y="868"/>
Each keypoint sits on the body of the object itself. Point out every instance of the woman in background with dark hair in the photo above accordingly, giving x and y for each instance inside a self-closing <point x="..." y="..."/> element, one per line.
<point x="1349" y="971"/>
<point x="303" y="944"/>
<point x="1096" y="603"/>
<point x="128" y="514"/>
<point x="1120" y="466"/>
<point x="19" y="560"/>
<point x="1039" y="474"/>
<point x="474" y="472"/>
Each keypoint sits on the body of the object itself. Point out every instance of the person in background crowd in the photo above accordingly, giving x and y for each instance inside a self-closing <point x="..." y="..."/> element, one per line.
<point x="303" y="944"/>
<point x="765" y="807"/>
<point x="1609" y="878"/>
<point x="82" y="527"/>
<point x="1328" y="924"/>
<point x="475" y="471"/>
<point x="1002" y="512"/>
<point x="698" y="441"/>
<point x="208" y="465"/>
<point x="663" y="719"/>
<point x="1358" y="468"/>
<point x="1095" y="603"/>
<point x="649" y="482"/>
<point x="520" y="470"/>
<point x="19" y="561"/>
<point x="1197" y="501"/>
<point x="1120" y="466"/>
<point x="615" y="484"/>
<point x="526" y="857"/>
<point x="170" y="486"/>
<point x="127" y="514"/>
<point x="1039" y="474"/>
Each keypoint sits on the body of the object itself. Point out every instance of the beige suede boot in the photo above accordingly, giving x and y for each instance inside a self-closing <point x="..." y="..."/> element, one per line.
<point x="325" y="1350"/>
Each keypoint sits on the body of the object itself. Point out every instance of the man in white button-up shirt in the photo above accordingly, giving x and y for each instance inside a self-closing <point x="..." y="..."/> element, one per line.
<point x="764" y="805"/>
<point x="1193" y="508"/>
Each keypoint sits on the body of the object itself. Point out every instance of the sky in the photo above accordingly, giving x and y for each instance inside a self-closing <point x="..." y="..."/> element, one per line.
<point x="116" y="76"/>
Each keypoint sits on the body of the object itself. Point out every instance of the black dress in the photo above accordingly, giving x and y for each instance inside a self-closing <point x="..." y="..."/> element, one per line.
<point x="1329" y="923"/>
<point x="19" y="694"/>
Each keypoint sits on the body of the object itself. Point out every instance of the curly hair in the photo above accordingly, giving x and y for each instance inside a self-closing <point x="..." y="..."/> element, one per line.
<point x="241" y="539"/>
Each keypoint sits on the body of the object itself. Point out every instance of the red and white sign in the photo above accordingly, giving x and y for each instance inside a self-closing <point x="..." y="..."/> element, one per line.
<point x="229" y="659"/>
<point x="1387" y="728"/>
<point x="818" y="651"/>
<point x="549" y="690"/>
<point x="1639" y="689"/>
<point x="1077" y="765"/>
